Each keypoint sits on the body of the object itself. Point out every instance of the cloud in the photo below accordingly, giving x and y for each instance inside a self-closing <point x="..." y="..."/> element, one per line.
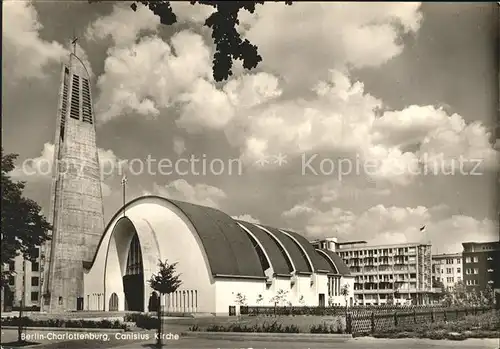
<point x="391" y="225"/>
<point x="25" y="53"/>
<point x="246" y="218"/>
<point x="201" y="194"/>
<point x="329" y="35"/>
<point x="123" y="25"/>
<point x="186" y="12"/>
<point x="148" y="76"/>
<point x="40" y="168"/>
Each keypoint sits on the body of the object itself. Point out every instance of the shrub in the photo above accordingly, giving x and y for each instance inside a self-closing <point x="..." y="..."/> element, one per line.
<point x="27" y="322"/>
<point x="324" y="328"/>
<point x="146" y="322"/>
<point x="273" y="327"/>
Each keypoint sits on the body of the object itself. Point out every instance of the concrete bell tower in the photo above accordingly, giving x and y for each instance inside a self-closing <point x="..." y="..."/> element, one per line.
<point x="76" y="210"/>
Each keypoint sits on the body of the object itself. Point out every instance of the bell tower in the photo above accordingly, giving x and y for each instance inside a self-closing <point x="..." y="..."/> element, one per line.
<point x="76" y="211"/>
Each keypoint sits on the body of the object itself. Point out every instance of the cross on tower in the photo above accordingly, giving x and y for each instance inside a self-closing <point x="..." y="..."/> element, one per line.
<point x="124" y="184"/>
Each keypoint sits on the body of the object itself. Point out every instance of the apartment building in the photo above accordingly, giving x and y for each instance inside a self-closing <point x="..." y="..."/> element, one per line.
<point x="25" y="281"/>
<point x="400" y="271"/>
<point x="447" y="269"/>
<point x="481" y="265"/>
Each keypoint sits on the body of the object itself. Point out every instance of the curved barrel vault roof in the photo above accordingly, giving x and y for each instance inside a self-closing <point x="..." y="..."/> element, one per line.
<point x="229" y="249"/>
<point x="279" y="262"/>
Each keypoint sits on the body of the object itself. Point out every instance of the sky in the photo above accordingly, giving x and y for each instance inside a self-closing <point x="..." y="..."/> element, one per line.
<point x="364" y="121"/>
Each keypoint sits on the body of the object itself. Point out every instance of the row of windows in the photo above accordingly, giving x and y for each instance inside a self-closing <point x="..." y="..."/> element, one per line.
<point x="35" y="266"/>
<point x="474" y="259"/>
<point x="448" y="270"/>
<point x="378" y="251"/>
<point x="35" y="281"/>
<point x="470" y="271"/>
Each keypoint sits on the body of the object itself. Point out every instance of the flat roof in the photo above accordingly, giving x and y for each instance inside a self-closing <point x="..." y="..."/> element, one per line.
<point x="368" y="247"/>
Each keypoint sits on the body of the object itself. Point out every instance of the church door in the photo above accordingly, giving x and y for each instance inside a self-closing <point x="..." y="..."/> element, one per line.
<point x="113" y="302"/>
<point x="133" y="280"/>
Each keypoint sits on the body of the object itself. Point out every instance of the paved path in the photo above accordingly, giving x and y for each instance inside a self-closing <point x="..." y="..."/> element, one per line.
<point x="186" y="342"/>
<point x="358" y="343"/>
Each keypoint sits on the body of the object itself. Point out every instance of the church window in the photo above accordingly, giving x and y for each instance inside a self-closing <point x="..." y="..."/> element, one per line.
<point x="75" y="98"/>
<point x="86" y="104"/>
<point x="134" y="259"/>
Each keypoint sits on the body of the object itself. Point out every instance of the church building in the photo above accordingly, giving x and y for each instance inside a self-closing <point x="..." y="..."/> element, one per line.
<point x="90" y="266"/>
<point x="217" y="257"/>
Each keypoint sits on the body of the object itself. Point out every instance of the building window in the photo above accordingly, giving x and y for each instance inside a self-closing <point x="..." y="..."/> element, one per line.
<point x="34" y="281"/>
<point x="35" y="266"/>
<point x="449" y="271"/>
<point x="476" y="259"/>
<point x="449" y="261"/>
<point x="458" y="270"/>
<point x="489" y="258"/>
<point x="34" y="296"/>
<point x="468" y="260"/>
<point x="449" y="279"/>
<point x="459" y="260"/>
<point x="490" y="270"/>
<point x="476" y="271"/>
<point x="36" y="253"/>
<point x="11" y="280"/>
<point x="12" y="265"/>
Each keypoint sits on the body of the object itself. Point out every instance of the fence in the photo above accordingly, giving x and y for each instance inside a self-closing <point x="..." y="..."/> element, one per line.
<point x="372" y="319"/>
<point x="380" y="321"/>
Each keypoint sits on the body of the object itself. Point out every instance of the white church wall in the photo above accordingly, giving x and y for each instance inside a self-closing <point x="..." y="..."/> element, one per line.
<point x="179" y="243"/>
<point x="227" y="290"/>
<point x="321" y="286"/>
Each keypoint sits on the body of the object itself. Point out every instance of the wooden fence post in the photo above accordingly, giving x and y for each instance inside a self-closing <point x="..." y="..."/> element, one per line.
<point x="415" y="316"/>
<point x="348" y="323"/>
<point x="457" y="313"/>
<point x="373" y="322"/>
<point x="396" y="319"/>
<point x="432" y="315"/>
<point x="445" y="317"/>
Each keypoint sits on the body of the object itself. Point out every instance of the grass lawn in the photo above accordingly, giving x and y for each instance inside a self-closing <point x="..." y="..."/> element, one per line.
<point x="304" y="322"/>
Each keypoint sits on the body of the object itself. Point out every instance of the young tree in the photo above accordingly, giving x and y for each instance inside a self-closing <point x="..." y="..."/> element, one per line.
<point x="280" y="297"/>
<point x="165" y="282"/>
<point x="344" y="291"/>
<point x="223" y="21"/>
<point x="260" y="299"/>
<point x="241" y="299"/>
<point x="24" y="228"/>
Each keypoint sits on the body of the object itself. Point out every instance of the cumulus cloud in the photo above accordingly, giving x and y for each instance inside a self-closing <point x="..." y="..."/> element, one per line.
<point x="246" y="218"/>
<point x="338" y="116"/>
<point x="148" y="76"/>
<point x="123" y="25"/>
<point x="329" y="35"/>
<point x="40" y="168"/>
<point x="201" y="194"/>
<point x="186" y="12"/>
<point x="391" y="225"/>
<point x="25" y="53"/>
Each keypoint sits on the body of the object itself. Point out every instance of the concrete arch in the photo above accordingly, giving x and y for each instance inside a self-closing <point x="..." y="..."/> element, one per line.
<point x="164" y="232"/>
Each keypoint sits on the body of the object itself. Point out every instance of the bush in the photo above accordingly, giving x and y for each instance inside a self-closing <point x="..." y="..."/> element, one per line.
<point x="274" y="327"/>
<point x="27" y="322"/>
<point x="145" y="321"/>
<point x="338" y="328"/>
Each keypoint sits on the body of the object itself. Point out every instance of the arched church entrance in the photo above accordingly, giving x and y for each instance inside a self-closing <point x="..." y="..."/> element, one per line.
<point x="133" y="280"/>
<point x="113" y="302"/>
